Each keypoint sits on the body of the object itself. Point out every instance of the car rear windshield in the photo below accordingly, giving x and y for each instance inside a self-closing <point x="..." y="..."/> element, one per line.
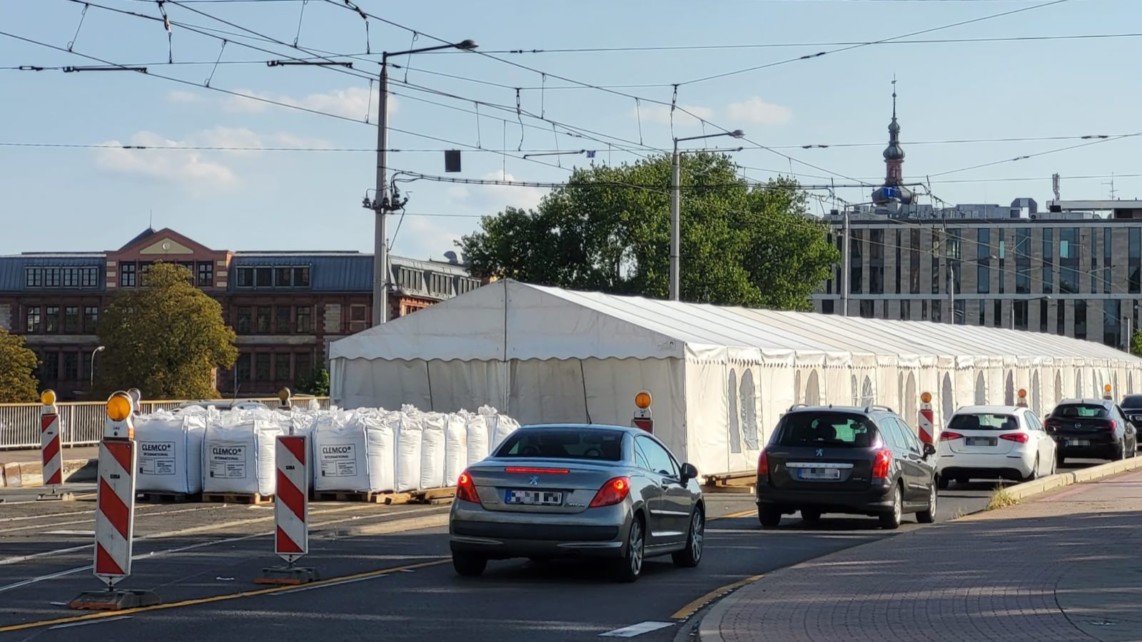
<point x="564" y="443"/>
<point x="983" y="421"/>
<point x="835" y="429"/>
<point x="1132" y="402"/>
<point x="1081" y="410"/>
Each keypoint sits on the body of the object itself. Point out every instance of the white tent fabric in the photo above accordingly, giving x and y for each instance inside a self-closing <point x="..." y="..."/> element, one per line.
<point x="721" y="376"/>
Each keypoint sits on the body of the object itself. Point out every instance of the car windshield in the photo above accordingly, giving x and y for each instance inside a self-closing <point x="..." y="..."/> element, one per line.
<point x="1132" y="402"/>
<point x="983" y="421"/>
<point x="1081" y="410"/>
<point x="835" y="429"/>
<point x="564" y="443"/>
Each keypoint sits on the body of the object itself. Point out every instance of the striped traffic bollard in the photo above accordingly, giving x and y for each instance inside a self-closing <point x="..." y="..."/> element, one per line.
<point x="291" y="512"/>
<point x="115" y="513"/>
<point x="927" y="432"/>
<point x="50" y="451"/>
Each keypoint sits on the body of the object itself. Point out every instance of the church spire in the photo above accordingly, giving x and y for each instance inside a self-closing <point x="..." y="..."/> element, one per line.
<point x="894" y="164"/>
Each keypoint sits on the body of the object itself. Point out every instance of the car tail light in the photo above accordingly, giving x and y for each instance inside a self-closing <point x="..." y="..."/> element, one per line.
<point x="1113" y="425"/>
<point x="763" y="465"/>
<point x="525" y="470"/>
<point x="881" y="463"/>
<point x="1015" y="436"/>
<point x="948" y="435"/>
<point x="612" y="492"/>
<point x="466" y="488"/>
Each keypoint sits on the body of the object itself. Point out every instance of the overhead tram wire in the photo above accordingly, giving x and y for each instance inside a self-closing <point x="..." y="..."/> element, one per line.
<point x="1035" y="155"/>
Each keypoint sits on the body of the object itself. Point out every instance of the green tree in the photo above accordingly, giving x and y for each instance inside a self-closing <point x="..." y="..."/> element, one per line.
<point x="17" y="363"/>
<point x="315" y="383"/>
<point x="608" y="229"/>
<point x="1136" y="343"/>
<point x="165" y="338"/>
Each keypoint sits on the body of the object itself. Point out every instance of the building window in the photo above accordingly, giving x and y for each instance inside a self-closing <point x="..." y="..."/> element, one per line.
<point x="914" y="261"/>
<point x="1110" y="335"/>
<point x="262" y="366"/>
<point x="281" y="366"/>
<point x="828" y="306"/>
<point x="301" y="277"/>
<point x="1002" y="262"/>
<point x="905" y="310"/>
<point x="1048" y="260"/>
<point x="51" y="319"/>
<point x="358" y="317"/>
<point x="983" y="259"/>
<point x="1061" y="317"/>
<point x="303" y="366"/>
<point x="955" y="254"/>
<point x="1135" y="249"/>
<point x="71" y="319"/>
<point x="34" y="277"/>
<point x="51" y="366"/>
<point x="244" y="277"/>
<point x="1043" y="310"/>
<point x="281" y="319"/>
<point x="935" y="252"/>
<point x="856" y="262"/>
<point x="90" y="319"/>
<point x="1019" y="309"/>
<point x="1094" y="260"/>
<point x="282" y="277"/>
<point x="242" y="367"/>
<point x="32" y="320"/>
<point x="205" y="274"/>
<point x="1107" y="240"/>
<point x="1023" y="260"/>
<point x="265" y="313"/>
<point x="1080" y="319"/>
<point x="960" y="313"/>
<point x="1069" y="260"/>
<point x="876" y="261"/>
<point x="997" y="314"/>
<point x="263" y="277"/>
<point x="127" y="275"/>
<point x="465" y="284"/>
<point x="937" y="311"/>
<point x="70" y="366"/>
<point x="245" y="320"/>
<point x="51" y="277"/>
<point x="866" y="309"/>
<point x="304" y="317"/>
<point x="981" y="316"/>
<point x="899" y="266"/>
<point x="270" y="276"/>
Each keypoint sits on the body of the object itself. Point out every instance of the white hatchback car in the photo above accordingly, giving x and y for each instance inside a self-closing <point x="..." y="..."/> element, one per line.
<point x="994" y="442"/>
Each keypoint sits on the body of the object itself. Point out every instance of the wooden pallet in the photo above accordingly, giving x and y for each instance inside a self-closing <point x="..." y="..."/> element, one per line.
<point x="254" y="499"/>
<point x="429" y="496"/>
<point x="163" y="497"/>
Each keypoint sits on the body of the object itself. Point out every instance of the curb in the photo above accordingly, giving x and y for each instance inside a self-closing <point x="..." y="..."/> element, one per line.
<point x="29" y="474"/>
<point x="708" y="627"/>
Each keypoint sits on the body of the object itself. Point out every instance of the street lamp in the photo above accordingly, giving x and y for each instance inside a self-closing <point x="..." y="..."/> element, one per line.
<point x="93" y="353"/>
<point x="381" y="204"/>
<point x="676" y="208"/>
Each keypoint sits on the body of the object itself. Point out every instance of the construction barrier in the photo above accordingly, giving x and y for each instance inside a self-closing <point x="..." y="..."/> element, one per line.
<point x="291" y="512"/>
<point x="926" y="419"/>
<point x="50" y="441"/>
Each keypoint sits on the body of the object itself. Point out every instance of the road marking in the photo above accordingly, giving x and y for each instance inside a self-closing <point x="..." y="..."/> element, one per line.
<point x="83" y="533"/>
<point x="103" y="615"/>
<point x="636" y="629"/>
<point x="75" y="624"/>
<point x="690" y="609"/>
<point x="744" y="513"/>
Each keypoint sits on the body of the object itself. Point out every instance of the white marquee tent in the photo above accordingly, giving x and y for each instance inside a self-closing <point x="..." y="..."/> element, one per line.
<point x="721" y="376"/>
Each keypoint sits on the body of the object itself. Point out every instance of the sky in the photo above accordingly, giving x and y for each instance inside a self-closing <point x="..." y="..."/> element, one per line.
<point x="242" y="155"/>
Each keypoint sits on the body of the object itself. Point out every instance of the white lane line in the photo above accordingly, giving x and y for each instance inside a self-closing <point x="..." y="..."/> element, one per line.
<point x="636" y="629"/>
<point x="99" y="621"/>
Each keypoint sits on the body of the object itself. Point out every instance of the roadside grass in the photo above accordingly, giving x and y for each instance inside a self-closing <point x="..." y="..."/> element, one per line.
<point x="1001" y="499"/>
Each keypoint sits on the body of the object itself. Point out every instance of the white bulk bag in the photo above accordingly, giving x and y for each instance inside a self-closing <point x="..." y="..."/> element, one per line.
<point x="477" y="437"/>
<point x="170" y="452"/>
<point x="409" y="438"/>
<point x="432" y="450"/>
<point x="455" y="446"/>
<point x="499" y="426"/>
<point x="238" y="455"/>
<point x="353" y="452"/>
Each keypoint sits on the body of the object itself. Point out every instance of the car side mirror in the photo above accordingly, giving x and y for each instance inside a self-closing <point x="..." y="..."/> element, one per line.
<point x="929" y="450"/>
<point x="688" y="472"/>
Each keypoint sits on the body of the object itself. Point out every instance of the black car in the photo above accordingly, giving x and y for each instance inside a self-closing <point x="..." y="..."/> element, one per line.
<point x="1132" y="407"/>
<point x="1095" y="428"/>
<point x="834" y="459"/>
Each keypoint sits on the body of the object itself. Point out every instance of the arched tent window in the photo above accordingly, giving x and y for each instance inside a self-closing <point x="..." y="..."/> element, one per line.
<point x="1130" y="383"/>
<point x="1009" y="389"/>
<point x="797" y="396"/>
<point x="1058" y="386"/>
<point x="1079" y="383"/>
<point x="749" y="410"/>
<point x="735" y="432"/>
<point x="813" y="390"/>
<point x="855" y="391"/>
<point x="980" y="389"/>
<point x="1036" y="395"/>
<point x="911" y="410"/>
<point x="946" y="395"/>
<point x="867" y="394"/>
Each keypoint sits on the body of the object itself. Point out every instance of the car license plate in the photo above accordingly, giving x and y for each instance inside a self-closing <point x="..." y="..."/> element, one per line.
<point x="820" y="473"/>
<point x="534" y="497"/>
<point x="1077" y="442"/>
<point x="980" y="441"/>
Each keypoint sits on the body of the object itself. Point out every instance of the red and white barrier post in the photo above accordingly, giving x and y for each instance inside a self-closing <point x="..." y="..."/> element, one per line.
<point x="115" y="512"/>
<point x="1021" y="401"/>
<point x="642" y="418"/>
<point x="50" y="448"/>
<point x="1106" y="392"/>
<point x="291" y="512"/>
<point x="926" y="420"/>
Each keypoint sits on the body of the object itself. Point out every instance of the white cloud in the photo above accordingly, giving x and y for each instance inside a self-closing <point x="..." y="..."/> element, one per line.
<point x="757" y="111"/>
<point x="349" y="103"/>
<point x="180" y="96"/>
<point x="660" y="114"/>
<point x="250" y="141"/>
<point x="422" y="237"/>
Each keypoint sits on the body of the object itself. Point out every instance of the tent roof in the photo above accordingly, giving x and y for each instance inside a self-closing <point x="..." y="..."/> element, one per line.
<point x="511" y="320"/>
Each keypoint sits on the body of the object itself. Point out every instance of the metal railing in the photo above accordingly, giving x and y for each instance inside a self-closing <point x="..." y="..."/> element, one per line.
<point x="81" y="423"/>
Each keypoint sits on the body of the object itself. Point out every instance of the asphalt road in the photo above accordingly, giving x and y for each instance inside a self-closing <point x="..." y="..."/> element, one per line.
<point x="201" y="560"/>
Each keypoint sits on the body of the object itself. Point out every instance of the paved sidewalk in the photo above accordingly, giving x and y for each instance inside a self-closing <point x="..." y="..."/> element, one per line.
<point x="1061" y="567"/>
<point x="23" y="468"/>
<point x="33" y="456"/>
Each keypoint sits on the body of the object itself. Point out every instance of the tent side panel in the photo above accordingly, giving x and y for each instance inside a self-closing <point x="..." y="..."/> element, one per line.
<point x="707" y="415"/>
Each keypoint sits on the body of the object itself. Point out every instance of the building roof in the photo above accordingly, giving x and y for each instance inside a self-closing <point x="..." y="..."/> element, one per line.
<point x="511" y="320"/>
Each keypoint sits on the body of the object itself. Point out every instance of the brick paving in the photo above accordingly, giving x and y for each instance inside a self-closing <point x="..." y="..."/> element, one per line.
<point x="1061" y="567"/>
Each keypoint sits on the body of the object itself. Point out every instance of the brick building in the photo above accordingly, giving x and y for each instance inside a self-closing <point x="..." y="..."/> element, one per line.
<point x="284" y="306"/>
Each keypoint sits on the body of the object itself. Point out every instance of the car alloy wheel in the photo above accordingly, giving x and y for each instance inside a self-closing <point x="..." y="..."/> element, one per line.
<point x="690" y="556"/>
<point x="892" y="520"/>
<point x="630" y="566"/>
<point x="929" y="516"/>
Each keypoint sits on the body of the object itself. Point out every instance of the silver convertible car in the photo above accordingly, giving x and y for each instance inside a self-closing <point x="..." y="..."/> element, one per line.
<point x="595" y="491"/>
